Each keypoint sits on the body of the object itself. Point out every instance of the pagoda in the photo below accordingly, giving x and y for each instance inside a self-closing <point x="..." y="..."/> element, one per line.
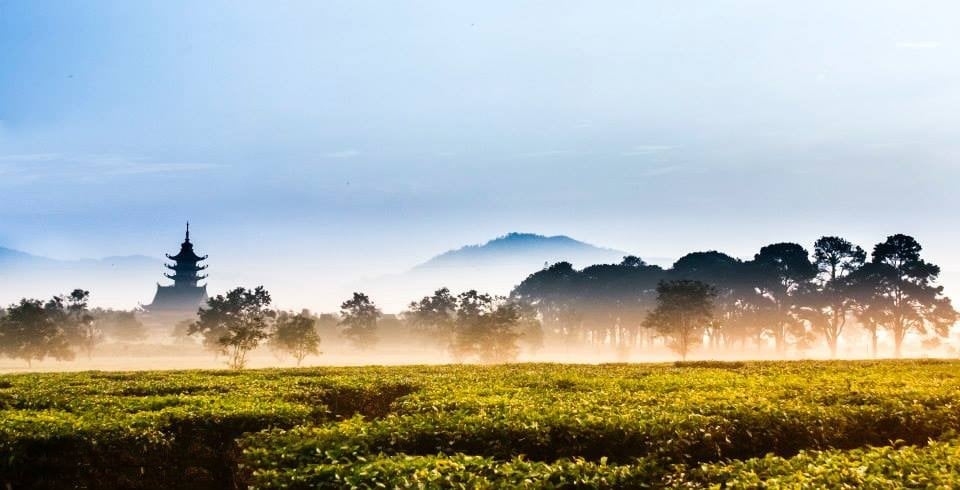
<point x="184" y="296"/>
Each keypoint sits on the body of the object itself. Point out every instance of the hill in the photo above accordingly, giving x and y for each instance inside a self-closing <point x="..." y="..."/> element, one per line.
<point x="119" y="280"/>
<point x="495" y="266"/>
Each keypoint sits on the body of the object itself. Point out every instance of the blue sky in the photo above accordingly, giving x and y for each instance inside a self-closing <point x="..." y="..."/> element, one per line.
<point x="358" y="137"/>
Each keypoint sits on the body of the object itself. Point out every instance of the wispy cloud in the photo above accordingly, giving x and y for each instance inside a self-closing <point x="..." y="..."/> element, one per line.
<point x="646" y="150"/>
<point x="918" y="44"/>
<point x="349" y="153"/>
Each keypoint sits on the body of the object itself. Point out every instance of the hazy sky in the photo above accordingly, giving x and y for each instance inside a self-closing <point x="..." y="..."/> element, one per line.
<point x="354" y="137"/>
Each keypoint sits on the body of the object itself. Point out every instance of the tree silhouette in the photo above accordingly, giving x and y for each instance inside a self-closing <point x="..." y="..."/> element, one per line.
<point x="119" y="325"/>
<point x="30" y="331"/>
<point x="486" y="327"/>
<point x="72" y="313"/>
<point x="295" y="334"/>
<point x="434" y="316"/>
<point x="684" y="309"/>
<point x="234" y="324"/>
<point x="827" y="302"/>
<point x="899" y="292"/>
<point x="735" y="318"/>
<point x="358" y="317"/>
<point x="780" y="271"/>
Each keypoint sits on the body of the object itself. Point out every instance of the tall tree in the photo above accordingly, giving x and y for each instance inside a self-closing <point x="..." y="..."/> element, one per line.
<point x="486" y="327"/>
<point x="235" y="323"/>
<point x="434" y="316"/>
<point x="734" y="319"/>
<point x="119" y="325"/>
<point x="32" y="332"/>
<point x="904" y="295"/>
<point x="72" y="313"/>
<point x="827" y="302"/>
<point x="358" y="317"/>
<point x="295" y="334"/>
<point x="780" y="271"/>
<point x="684" y="309"/>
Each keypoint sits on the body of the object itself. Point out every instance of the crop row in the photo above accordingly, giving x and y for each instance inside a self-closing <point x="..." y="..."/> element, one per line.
<point x="471" y="426"/>
<point x="935" y="466"/>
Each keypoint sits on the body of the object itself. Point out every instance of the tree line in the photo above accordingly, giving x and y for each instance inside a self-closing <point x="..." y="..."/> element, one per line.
<point x="785" y="296"/>
<point x="32" y="329"/>
<point x="470" y="325"/>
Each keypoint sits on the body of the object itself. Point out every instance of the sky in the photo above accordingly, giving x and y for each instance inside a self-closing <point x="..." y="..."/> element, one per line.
<point x="319" y="142"/>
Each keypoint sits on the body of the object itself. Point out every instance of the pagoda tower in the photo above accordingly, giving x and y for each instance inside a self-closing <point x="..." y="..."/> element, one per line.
<point x="184" y="296"/>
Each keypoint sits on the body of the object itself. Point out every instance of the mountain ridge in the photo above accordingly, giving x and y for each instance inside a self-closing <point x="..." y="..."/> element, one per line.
<point x="522" y="247"/>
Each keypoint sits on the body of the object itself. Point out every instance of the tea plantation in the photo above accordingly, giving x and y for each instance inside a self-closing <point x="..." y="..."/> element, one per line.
<point x="884" y="424"/>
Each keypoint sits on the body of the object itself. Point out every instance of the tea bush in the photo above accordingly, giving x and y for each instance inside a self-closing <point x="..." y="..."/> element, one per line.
<point x="686" y="425"/>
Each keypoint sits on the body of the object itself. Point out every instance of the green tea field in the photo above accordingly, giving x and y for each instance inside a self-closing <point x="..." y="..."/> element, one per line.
<point x="884" y="424"/>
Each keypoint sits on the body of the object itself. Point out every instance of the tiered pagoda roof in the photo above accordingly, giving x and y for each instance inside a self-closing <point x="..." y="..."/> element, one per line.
<point x="184" y="295"/>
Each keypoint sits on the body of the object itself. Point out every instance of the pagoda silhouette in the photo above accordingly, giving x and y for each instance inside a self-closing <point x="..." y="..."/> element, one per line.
<point x="184" y="296"/>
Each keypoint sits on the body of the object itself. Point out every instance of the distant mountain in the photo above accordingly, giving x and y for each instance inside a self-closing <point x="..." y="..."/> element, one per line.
<point x="121" y="281"/>
<point x="526" y="249"/>
<point x="11" y="256"/>
<point x="495" y="267"/>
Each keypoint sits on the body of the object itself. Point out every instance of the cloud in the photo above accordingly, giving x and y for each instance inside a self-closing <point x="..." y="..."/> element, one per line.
<point x="646" y="150"/>
<point x="350" y="153"/>
<point x="918" y="44"/>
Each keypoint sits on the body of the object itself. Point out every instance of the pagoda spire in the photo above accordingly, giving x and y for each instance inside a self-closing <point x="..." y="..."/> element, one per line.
<point x="185" y="295"/>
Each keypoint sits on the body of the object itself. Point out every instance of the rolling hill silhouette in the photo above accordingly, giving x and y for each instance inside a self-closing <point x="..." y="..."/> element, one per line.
<point x="120" y="280"/>
<point x="495" y="267"/>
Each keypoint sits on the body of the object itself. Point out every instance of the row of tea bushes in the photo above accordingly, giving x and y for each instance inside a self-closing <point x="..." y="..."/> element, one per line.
<point x="524" y="425"/>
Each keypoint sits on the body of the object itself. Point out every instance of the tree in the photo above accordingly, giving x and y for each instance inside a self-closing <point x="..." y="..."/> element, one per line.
<point x="235" y="323"/>
<point x="434" y="316"/>
<point x="486" y="328"/>
<point x="780" y="271"/>
<point x="181" y="333"/>
<point x="828" y="302"/>
<point x="735" y="312"/>
<point x="119" y="325"/>
<point x="72" y="313"/>
<point x="528" y="326"/>
<point x="295" y="334"/>
<point x="358" y="317"/>
<point x="31" y="331"/>
<point x="902" y="294"/>
<point x="684" y="309"/>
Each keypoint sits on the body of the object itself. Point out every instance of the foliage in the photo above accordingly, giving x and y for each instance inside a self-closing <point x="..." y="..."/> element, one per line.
<point x="235" y="323"/>
<point x="684" y="308"/>
<point x="689" y="425"/>
<point x="295" y="334"/>
<point x="119" y="325"/>
<point x="899" y="293"/>
<point x="358" y="317"/>
<point x="826" y="303"/>
<point x="784" y="296"/>
<point x="434" y="316"/>
<point x="31" y="331"/>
